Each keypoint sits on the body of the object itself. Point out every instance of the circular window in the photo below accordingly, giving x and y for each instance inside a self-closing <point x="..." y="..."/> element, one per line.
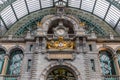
<point x="61" y="74"/>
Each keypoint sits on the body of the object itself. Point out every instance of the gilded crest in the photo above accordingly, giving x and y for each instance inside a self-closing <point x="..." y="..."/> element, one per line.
<point x="60" y="44"/>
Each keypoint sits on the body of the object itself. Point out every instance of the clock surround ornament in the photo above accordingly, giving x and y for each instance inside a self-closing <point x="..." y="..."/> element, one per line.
<point x="60" y="30"/>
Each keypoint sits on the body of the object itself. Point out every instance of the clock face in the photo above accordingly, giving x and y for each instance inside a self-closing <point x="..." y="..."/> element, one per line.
<point x="60" y="32"/>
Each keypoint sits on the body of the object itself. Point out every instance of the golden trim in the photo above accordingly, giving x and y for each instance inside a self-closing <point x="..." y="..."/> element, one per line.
<point x="39" y="24"/>
<point x="60" y="44"/>
<point x="82" y="23"/>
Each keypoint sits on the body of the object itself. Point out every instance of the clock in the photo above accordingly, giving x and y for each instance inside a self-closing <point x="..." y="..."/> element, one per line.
<point x="60" y="32"/>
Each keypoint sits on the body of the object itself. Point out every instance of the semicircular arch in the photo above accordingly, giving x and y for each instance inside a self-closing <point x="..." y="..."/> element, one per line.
<point x="2" y="47"/>
<point x="107" y="48"/>
<point x="65" y="64"/>
<point x="16" y="47"/>
<point x="38" y="15"/>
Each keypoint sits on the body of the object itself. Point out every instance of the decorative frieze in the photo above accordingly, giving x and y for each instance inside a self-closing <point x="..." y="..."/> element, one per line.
<point x="58" y="56"/>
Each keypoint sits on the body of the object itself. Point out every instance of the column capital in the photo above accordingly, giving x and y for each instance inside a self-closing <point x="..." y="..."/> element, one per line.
<point x="6" y="57"/>
<point x="116" y="63"/>
<point x="115" y="57"/>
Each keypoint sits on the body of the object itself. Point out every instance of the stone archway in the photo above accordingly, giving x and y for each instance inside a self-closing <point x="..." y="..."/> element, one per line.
<point x="70" y="19"/>
<point x="65" y="66"/>
<point x="61" y="73"/>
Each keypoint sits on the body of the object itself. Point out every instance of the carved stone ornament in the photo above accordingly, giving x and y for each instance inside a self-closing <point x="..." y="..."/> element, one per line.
<point x="60" y="44"/>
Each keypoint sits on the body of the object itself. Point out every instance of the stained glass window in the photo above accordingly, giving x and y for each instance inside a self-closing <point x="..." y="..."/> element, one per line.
<point x="2" y="54"/>
<point x="106" y="62"/>
<point x="15" y="61"/>
<point x="118" y="54"/>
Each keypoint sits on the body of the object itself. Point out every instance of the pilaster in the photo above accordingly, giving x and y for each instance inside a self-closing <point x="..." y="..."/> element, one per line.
<point x="4" y="70"/>
<point x="117" y="65"/>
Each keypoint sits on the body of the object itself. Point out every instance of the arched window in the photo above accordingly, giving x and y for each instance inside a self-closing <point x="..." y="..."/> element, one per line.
<point x="118" y="54"/>
<point x="107" y="63"/>
<point x="61" y="73"/>
<point x="2" y="54"/>
<point x="15" y="61"/>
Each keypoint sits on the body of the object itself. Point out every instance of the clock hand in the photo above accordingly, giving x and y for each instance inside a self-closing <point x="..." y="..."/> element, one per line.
<point x="61" y="31"/>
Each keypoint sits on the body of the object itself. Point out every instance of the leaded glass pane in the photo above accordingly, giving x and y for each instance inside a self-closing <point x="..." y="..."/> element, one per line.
<point x="2" y="54"/>
<point x="33" y="5"/>
<point x="8" y="16"/>
<point x="113" y="16"/>
<point x="74" y="3"/>
<point x="46" y="3"/>
<point x="20" y="8"/>
<point x="107" y="64"/>
<point x="15" y="62"/>
<point x="87" y="5"/>
<point x="101" y="8"/>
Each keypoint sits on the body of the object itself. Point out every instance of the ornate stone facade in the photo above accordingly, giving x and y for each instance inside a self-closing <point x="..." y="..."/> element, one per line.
<point x="41" y="62"/>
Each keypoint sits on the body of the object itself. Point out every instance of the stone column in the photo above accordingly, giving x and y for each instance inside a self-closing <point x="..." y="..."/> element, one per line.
<point x="78" y="45"/>
<point x="117" y="65"/>
<point x="43" y="46"/>
<point x="4" y="70"/>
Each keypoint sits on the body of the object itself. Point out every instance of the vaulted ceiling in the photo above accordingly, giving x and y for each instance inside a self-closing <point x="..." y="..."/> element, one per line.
<point x="13" y="10"/>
